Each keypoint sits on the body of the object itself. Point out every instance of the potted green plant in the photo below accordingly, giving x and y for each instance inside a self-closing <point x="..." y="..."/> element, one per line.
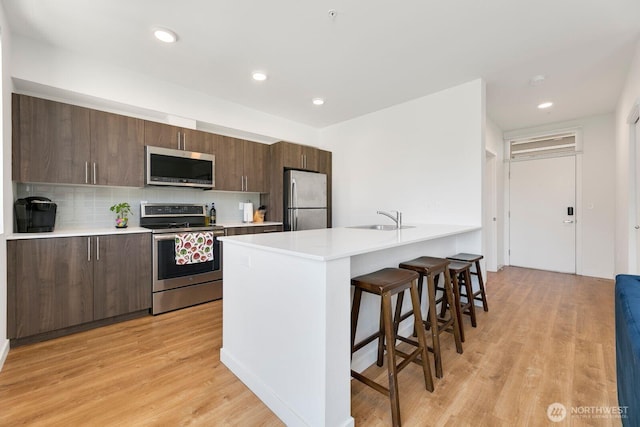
<point x="122" y="211"/>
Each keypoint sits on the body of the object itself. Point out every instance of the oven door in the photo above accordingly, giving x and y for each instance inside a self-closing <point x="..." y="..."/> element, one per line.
<point x="167" y="274"/>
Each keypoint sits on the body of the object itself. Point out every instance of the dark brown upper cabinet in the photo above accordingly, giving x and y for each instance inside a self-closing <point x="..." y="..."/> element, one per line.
<point x="117" y="150"/>
<point x="241" y="165"/>
<point x="177" y="138"/>
<point x="51" y="141"/>
<point x="66" y="144"/>
<point x="298" y="156"/>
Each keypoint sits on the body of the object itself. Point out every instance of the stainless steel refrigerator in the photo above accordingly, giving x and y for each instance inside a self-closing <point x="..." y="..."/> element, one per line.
<point x="305" y="200"/>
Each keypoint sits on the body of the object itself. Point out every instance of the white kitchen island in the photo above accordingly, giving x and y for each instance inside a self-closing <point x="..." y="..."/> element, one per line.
<point x="286" y="310"/>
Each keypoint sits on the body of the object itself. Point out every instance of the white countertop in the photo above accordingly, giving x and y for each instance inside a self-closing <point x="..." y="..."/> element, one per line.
<point x="74" y="232"/>
<point x="334" y="243"/>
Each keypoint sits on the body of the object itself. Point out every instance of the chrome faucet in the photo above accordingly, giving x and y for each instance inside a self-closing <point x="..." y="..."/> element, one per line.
<point x="397" y="218"/>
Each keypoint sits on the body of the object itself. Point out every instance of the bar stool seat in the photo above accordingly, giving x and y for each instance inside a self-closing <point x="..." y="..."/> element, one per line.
<point x="479" y="295"/>
<point x="431" y="267"/>
<point x="460" y="277"/>
<point x="388" y="282"/>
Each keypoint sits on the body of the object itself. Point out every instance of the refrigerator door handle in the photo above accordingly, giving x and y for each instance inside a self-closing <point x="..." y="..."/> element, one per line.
<point x="294" y="194"/>
<point x="295" y="220"/>
<point x="293" y="202"/>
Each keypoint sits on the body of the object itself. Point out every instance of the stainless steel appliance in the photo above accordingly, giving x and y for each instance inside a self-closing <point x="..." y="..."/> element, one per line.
<point x="305" y="198"/>
<point x="179" y="168"/>
<point x="35" y="214"/>
<point x="181" y="285"/>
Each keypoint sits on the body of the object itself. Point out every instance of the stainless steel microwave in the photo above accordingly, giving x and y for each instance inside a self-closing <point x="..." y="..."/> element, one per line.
<point x="179" y="168"/>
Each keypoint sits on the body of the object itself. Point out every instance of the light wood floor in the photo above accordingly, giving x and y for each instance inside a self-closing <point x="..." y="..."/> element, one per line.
<point x="547" y="338"/>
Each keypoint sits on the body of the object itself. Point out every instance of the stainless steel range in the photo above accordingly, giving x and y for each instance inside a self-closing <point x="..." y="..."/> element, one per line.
<point x="194" y="275"/>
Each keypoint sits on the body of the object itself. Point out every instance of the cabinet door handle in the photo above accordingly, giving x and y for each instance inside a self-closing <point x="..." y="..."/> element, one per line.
<point x="246" y="183"/>
<point x="94" y="172"/>
<point x="302" y="160"/>
<point x="86" y="172"/>
<point x="89" y="249"/>
<point x="242" y="183"/>
<point x="178" y="140"/>
<point x="184" y="141"/>
<point x="97" y="248"/>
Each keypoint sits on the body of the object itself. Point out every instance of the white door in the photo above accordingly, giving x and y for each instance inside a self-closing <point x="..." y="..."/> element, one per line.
<point x="489" y="220"/>
<point x="542" y="231"/>
<point x="635" y="134"/>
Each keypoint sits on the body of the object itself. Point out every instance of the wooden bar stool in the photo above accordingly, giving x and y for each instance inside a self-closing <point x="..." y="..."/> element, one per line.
<point x="479" y="295"/>
<point x="460" y="276"/>
<point x="431" y="267"/>
<point x="388" y="282"/>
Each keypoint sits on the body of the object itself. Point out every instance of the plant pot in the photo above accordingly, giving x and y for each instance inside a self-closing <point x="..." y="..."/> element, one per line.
<point x="121" y="222"/>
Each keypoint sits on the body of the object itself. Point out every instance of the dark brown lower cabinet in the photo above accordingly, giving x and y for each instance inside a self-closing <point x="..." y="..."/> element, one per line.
<point x="254" y="229"/>
<point x="57" y="283"/>
<point x="121" y="274"/>
<point x="52" y="284"/>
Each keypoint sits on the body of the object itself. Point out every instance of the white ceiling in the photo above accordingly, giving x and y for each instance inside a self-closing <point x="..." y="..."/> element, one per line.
<point x="372" y="55"/>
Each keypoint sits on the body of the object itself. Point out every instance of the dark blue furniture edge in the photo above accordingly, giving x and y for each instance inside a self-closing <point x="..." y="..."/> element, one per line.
<point x="627" y="320"/>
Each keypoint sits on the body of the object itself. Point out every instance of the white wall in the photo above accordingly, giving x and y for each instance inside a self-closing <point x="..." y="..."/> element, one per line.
<point x="597" y="200"/>
<point x="44" y="70"/>
<point x="495" y="144"/>
<point x="423" y="157"/>
<point x="625" y="211"/>
<point x="6" y="187"/>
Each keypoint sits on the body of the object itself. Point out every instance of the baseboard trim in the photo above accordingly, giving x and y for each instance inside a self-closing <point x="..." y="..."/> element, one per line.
<point x="4" y="352"/>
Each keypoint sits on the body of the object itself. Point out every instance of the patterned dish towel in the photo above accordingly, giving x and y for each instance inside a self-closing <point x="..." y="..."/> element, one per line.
<point x="192" y="248"/>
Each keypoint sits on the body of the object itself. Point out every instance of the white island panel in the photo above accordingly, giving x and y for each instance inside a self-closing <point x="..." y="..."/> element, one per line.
<point x="286" y="310"/>
<point x="284" y="333"/>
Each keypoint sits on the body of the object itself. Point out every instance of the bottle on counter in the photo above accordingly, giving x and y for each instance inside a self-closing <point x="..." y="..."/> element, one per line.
<point x="212" y="214"/>
<point x="207" y="219"/>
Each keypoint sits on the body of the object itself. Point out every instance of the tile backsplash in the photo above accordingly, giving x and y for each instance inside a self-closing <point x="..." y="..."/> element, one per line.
<point x="88" y="206"/>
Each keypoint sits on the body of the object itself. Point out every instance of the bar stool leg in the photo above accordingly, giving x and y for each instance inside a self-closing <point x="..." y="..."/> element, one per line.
<point x="396" y="317"/>
<point x="443" y="306"/>
<point x="355" y="312"/>
<point x="456" y="301"/>
<point x="381" y="337"/>
<point x="391" y="357"/>
<point x="483" y="294"/>
<point x="433" y="319"/>
<point x="470" y="299"/>
<point x="415" y="301"/>
<point x="454" y="315"/>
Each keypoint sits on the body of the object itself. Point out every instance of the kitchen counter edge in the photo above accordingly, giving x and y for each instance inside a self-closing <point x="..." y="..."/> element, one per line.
<point x="236" y="224"/>
<point x="353" y="241"/>
<point x="78" y="232"/>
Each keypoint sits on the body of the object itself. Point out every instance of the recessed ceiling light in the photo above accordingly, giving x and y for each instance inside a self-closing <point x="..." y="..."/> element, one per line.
<point x="259" y="76"/>
<point x="165" y="35"/>
<point x="318" y="101"/>
<point x="545" y="105"/>
<point x="537" y="80"/>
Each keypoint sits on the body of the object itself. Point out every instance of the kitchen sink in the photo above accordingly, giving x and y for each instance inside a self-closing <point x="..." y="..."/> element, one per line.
<point x="385" y="227"/>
